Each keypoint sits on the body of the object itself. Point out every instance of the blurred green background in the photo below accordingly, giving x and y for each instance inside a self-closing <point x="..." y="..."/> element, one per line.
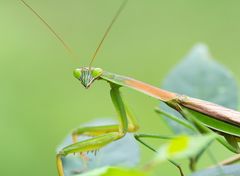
<point x="40" y="100"/>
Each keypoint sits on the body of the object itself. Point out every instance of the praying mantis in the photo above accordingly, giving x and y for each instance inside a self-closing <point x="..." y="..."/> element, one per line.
<point x="203" y="116"/>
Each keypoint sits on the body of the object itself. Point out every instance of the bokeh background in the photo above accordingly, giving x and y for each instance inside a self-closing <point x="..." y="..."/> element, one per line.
<point x="40" y="100"/>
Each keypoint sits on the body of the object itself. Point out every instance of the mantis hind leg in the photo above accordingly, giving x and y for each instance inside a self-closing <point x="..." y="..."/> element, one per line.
<point x="138" y="136"/>
<point x="102" y="135"/>
<point x="230" y="143"/>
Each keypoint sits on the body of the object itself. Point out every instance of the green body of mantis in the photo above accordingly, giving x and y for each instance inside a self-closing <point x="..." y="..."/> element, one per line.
<point x="201" y="113"/>
<point x="204" y="117"/>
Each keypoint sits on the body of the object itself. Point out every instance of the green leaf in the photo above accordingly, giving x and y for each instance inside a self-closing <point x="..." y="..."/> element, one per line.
<point x="231" y="170"/>
<point x="123" y="152"/>
<point x="113" y="171"/>
<point x="201" y="77"/>
<point x="183" y="147"/>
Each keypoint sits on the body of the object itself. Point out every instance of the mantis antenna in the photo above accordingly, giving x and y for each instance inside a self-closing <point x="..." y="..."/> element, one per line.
<point x="107" y="31"/>
<point x="66" y="46"/>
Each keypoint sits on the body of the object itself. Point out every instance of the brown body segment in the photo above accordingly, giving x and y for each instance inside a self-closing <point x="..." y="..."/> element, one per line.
<point x="160" y="94"/>
<point x="211" y="109"/>
<point x="140" y="86"/>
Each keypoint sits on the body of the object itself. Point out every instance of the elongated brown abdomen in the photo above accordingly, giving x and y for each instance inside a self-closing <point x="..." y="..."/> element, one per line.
<point x="211" y="109"/>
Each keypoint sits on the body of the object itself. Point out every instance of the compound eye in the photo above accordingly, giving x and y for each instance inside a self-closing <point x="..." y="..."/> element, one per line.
<point x="96" y="72"/>
<point x="77" y="73"/>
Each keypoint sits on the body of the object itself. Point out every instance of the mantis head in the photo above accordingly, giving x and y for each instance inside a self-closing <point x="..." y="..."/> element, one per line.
<point x="87" y="75"/>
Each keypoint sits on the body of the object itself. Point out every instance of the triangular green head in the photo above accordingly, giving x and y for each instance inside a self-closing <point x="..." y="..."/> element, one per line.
<point x="87" y="75"/>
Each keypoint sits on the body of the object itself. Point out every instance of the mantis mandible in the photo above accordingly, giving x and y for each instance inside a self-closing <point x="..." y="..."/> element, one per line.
<point x="204" y="116"/>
